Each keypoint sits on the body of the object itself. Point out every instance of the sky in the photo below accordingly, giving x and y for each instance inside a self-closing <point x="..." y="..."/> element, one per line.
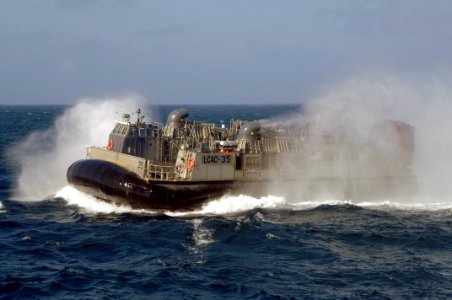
<point x="212" y="52"/>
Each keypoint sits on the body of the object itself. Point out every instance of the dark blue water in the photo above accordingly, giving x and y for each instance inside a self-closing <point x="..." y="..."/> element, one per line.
<point x="53" y="249"/>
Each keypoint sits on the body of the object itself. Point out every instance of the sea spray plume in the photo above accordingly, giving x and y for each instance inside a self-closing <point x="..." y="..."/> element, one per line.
<point x="430" y="111"/>
<point x="347" y="138"/>
<point x="424" y="102"/>
<point x="358" y="109"/>
<point x="44" y="156"/>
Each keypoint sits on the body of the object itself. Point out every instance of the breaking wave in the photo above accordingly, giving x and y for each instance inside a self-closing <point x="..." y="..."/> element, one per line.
<point x="227" y="205"/>
<point x="235" y="204"/>
<point x="91" y="204"/>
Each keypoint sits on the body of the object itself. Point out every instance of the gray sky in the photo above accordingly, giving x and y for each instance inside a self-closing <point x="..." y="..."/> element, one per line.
<point x="198" y="52"/>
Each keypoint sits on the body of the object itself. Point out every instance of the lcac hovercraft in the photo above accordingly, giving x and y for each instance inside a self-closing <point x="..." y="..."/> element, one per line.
<point x="184" y="164"/>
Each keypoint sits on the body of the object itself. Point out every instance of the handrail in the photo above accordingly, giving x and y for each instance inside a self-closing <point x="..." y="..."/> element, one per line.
<point x="161" y="172"/>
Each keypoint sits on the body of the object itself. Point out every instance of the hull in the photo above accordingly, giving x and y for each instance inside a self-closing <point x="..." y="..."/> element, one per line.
<point x="114" y="184"/>
<point x="109" y="182"/>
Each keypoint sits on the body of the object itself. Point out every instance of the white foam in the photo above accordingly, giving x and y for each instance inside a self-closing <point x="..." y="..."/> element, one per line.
<point x="93" y="205"/>
<point x="227" y="205"/>
<point x="234" y="204"/>
<point x="2" y="208"/>
<point x="202" y="235"/>
<point x="418" y="203"/>
<point x="306" y="205"/>
<point x="224" y="205"/>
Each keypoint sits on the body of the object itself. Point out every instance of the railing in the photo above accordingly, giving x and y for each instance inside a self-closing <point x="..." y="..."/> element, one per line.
<point x="161" y="172"/>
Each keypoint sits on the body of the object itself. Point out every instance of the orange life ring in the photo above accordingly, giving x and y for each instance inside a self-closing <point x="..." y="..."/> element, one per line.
<point x="110" y="145"/>
<point x="191" y="163"/>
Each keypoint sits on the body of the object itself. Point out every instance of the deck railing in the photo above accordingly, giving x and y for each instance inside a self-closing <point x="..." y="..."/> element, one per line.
<point x="161" y="172"/>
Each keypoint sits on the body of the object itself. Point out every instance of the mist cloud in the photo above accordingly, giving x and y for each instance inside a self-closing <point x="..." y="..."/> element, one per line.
<point x="45" y="155"/>
<point x="357" y="103"/>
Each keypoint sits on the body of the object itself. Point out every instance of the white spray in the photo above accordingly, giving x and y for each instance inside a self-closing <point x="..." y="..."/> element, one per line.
<point x="45" y="155"/>
<point x="356" y="104"/>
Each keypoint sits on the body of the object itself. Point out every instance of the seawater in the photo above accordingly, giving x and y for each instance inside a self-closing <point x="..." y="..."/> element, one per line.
<point x="71" y="246"/>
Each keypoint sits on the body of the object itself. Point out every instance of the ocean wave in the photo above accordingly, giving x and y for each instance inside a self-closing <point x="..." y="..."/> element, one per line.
<point x="242" y="203"/>
<point x="418" y="203"/>
<point x="222" y="206"/>
<point x="234" y="204"/>
<point x="91" y="204"/>
<point x="2" y="208"/>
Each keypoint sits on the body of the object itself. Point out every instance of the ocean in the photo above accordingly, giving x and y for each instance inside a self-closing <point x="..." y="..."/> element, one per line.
<point x="58" y="243"/>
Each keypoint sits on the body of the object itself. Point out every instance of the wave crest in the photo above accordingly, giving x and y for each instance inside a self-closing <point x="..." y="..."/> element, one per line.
<point x="239" y="204"/>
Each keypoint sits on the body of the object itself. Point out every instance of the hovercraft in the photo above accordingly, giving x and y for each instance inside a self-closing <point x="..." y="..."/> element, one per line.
<point x="184" y="164"/>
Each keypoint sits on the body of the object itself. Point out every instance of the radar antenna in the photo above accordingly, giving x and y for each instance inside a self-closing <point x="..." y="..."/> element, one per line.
<point x="138" y="117"/>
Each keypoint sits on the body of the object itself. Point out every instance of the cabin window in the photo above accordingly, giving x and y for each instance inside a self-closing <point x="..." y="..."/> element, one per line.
<point x="132" y="132"/>
<point x="124" y="130"/>
<point x="149" y="132"/>
<point x="142" y="132"/>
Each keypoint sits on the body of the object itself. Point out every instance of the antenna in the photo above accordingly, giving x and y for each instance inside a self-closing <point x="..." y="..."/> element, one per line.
<point x="139" y="118"/>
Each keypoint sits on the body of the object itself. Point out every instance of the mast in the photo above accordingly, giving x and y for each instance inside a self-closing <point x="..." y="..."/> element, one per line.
<point x="138" y="118"/>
